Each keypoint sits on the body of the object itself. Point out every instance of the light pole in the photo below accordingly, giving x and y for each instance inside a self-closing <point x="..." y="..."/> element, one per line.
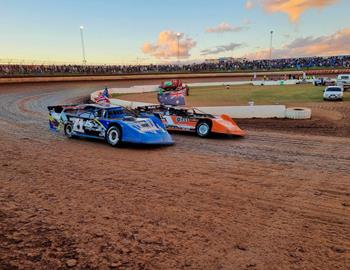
<point x="271" y="32"/>
<point x="82" y="43"/>
<point x="178" y="35"/>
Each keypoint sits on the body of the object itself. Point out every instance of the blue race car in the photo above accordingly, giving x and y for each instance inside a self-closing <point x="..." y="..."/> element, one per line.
<point x="115" y="124"/>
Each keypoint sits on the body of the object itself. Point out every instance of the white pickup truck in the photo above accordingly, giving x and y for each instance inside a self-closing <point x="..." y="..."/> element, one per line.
<point x="343" y="80"/>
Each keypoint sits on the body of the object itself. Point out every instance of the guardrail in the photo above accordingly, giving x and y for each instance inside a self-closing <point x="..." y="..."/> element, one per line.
<point x="121" y="77"/>
<point x="161" y="76"/>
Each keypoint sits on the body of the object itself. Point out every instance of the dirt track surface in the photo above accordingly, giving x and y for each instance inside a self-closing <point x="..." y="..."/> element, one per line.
<point x="273" y="200"/>
<point x="328" y="118"/>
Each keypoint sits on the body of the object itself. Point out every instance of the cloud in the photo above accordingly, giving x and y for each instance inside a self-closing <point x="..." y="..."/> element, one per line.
<point x="293" y="8"/>
<point x="258" y="55"/>
<point x="334" y="44"/>
<point x="225" y="27"/>
<point x="167" y="46"/>
<point x="247" y="22"/>
<point x="222" y="48"/>
<point x="249" y="4"/>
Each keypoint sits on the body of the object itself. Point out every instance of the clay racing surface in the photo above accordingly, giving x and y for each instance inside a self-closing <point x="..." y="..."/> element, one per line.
<point x="277" y="199"/>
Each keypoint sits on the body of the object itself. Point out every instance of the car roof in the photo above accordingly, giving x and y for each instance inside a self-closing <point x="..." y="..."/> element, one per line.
<point x="334" y="86"/>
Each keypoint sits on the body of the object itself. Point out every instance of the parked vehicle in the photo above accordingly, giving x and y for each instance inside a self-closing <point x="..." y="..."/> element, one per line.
<point x="193" y="120"/>
<point x="333" y="93"/>
<point x="324" y="81"/>
<point x="343" y="80"/>
<point x="115" y="124"/>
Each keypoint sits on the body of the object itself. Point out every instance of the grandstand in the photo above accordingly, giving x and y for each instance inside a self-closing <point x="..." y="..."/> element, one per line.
<point x="221" y="65"/>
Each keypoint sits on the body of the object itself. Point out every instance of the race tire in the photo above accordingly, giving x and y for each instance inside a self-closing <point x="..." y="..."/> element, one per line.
<point x="68" y="130"/>
<point x="298" y="113"/>
<point x="114" y="136"/>
<point x="203" y="129"/>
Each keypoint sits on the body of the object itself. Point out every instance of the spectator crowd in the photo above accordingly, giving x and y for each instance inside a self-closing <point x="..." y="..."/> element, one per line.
<point x="230" y="65"/>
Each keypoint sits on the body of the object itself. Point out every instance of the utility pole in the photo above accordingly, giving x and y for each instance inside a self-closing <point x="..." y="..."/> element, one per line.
<point x="82" y="44"/>
<point x="178" y="35"/>
<point x="271" y="32"/>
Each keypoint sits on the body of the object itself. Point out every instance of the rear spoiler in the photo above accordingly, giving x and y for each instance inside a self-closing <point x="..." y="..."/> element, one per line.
<point x="57" y="117"/>
<point x="59" y="108"/>
<point x="148" y="108"/>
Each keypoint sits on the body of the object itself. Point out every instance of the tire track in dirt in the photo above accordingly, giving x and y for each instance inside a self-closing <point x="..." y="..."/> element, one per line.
<point x="270" y="201"/>
<point x="31" y="110"/>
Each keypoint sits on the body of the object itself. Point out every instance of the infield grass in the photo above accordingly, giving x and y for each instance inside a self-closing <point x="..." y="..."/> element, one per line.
<point x="242" y="94"/>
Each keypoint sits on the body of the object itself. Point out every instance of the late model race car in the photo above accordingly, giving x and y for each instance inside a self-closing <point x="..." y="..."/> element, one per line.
<point x="115" y="124"/>
<point x="192" y="119"/>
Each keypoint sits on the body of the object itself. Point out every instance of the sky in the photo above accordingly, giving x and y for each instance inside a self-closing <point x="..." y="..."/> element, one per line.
<point x="138" y="31"/>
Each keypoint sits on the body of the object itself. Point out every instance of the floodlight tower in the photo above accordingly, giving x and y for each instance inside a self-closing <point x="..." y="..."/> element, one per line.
<point x="82" y="43"/>
<point x="271" y="33"/>
<point x="178" y="35"/>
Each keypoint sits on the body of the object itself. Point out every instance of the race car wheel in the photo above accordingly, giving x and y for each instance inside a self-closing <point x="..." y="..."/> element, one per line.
<point x="68" y="130"/>
<point x="113" y="136"/>
<point x="203" y="129"/>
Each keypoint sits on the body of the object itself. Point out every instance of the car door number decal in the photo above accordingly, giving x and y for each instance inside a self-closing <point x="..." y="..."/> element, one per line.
<point x="78" y="125"/>
<point x="181" y="119"/>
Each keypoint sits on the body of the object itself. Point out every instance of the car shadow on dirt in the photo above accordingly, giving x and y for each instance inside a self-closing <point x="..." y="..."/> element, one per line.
<point x="213" y="136"/>
<point x="177" y="141"/>
<point x="124" y="145"/>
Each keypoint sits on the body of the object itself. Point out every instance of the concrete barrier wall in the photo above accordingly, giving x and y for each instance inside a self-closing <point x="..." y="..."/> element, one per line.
<point x="219" y="83"/>
<point x="133" y="89"/>
<point x="281" y="82"/>
<point x="153" y="88"/>
<point x="256" y="111"/>
<point x="131" y="104"/>
<point x="255" y="83"/>
<point x="248" y="75"/>
<point x="141" y="77"/>
<point x="275" y="83"/>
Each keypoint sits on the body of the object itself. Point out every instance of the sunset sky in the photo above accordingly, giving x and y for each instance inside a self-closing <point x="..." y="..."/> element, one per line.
<point x="145" y="31"/>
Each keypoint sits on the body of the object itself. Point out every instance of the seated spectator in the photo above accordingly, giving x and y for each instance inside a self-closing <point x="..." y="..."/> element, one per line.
<point x="229" y="65"/>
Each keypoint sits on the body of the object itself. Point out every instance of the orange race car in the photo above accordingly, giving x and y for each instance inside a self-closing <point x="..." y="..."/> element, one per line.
<point x="192" y="119"/>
